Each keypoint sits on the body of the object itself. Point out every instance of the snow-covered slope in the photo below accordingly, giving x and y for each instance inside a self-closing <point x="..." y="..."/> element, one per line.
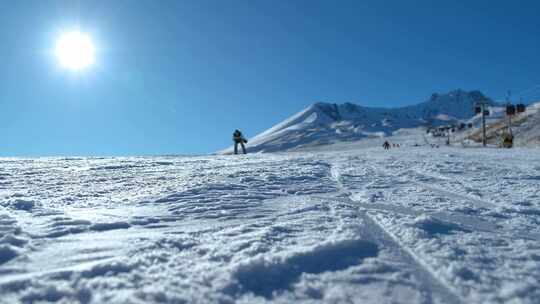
<point x="408" y="225"/>
<point x="325" y="123"/>
<point x="527" y="133"/>
<point x="525" y="128"/>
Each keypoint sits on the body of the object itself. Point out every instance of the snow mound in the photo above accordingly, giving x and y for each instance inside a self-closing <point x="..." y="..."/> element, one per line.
<point x="7" y="253"/>
<point x="110" y="269"/>
<point x="268" y="276"/>
<point x="434" y="226"/>
<point x="20" y="204"/>
<point x="12" y="239"/>
<point x="48" y="294"/>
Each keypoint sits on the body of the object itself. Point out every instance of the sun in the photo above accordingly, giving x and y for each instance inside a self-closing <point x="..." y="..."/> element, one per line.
<point x="75" y="50"/>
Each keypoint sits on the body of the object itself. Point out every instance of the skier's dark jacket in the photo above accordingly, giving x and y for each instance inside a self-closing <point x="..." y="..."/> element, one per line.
<point x="238" y="137"/>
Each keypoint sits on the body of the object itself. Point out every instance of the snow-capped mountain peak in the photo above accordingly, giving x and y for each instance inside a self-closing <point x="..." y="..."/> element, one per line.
<point x="324" y="123"/>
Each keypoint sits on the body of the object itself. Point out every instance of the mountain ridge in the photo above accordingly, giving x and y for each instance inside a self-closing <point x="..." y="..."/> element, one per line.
<point x="324" y="123"/>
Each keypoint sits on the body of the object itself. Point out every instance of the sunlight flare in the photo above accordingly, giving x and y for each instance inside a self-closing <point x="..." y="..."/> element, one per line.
<point x="75" y="50"/>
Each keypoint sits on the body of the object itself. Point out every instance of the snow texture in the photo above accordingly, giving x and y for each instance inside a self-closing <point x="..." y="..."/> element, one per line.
<point x="340" y="224"/>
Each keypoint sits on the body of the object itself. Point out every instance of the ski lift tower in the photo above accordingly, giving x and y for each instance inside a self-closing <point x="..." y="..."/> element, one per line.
<point x="480" y="107"/>
<point x="510" y="111"/>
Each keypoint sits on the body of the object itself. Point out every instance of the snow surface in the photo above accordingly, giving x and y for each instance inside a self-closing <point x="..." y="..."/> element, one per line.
<point x="341" y="225"/>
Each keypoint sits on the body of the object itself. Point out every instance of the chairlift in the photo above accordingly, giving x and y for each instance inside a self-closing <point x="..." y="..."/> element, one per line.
<point x="486" y="112"/>
<point x="520" y="108"/>
<point x="510" y="110"/>
<point x="477" y="110"/>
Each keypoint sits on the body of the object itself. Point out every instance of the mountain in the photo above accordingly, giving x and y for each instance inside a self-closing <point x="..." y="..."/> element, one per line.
<point x="327" y="123"/>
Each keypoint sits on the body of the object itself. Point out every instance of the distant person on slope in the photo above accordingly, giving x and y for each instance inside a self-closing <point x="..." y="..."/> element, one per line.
<point x="238" y="138"/>
<point x="386" y="145"/>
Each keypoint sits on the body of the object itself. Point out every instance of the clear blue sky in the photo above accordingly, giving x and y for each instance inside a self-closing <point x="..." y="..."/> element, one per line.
<point x="179" y="76"/>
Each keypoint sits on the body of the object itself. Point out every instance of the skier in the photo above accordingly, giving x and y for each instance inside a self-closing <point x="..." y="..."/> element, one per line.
<point x="238" y="138"/>
<point x="386" y="145"/>
<point x="508" y="140"/>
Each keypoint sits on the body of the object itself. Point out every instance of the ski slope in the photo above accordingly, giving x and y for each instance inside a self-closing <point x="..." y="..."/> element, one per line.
<point x="339" y="225"/>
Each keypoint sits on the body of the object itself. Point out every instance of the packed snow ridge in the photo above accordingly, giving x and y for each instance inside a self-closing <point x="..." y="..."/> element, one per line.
<point x="327" y="123"/>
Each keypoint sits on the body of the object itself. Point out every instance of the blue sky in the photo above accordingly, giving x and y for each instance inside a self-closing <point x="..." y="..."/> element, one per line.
<point x="177" y="77"/>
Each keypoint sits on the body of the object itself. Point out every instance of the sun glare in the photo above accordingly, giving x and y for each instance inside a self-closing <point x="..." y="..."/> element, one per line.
<point x="75" y="50"/>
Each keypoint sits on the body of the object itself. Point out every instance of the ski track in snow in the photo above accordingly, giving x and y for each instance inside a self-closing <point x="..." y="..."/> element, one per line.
<point x="424" y="273"/>
<point x="366" y="226"/>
